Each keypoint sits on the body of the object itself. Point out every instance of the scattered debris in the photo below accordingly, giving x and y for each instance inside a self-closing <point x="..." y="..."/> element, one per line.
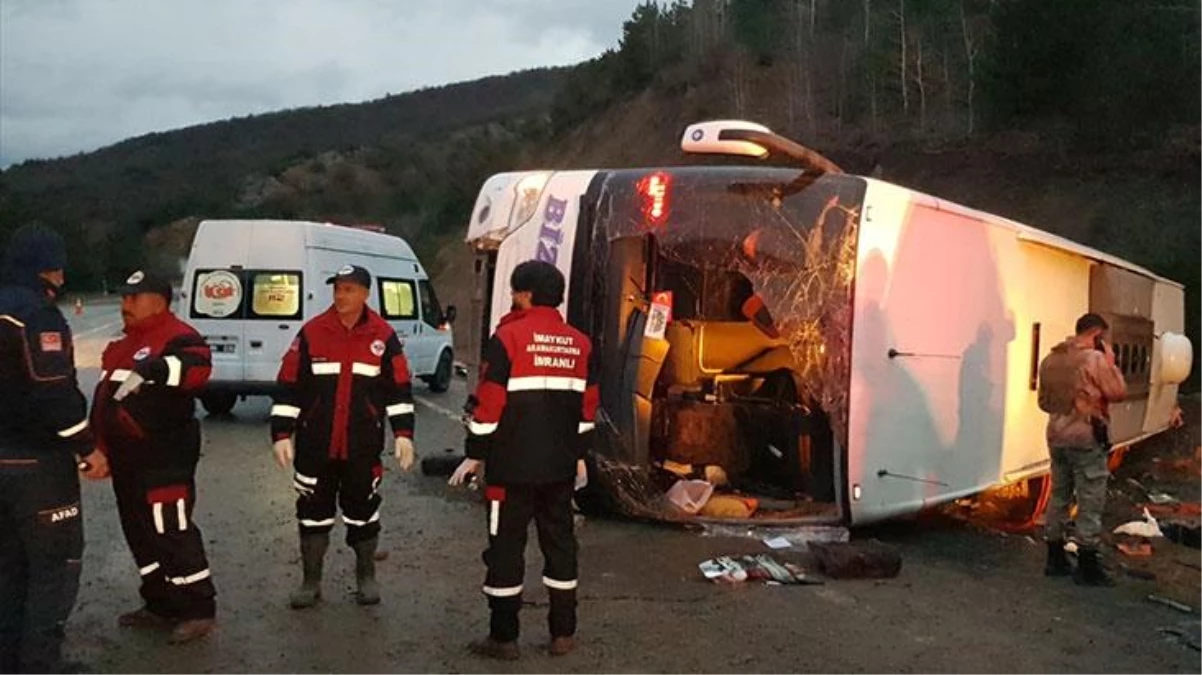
<point x="732" y="569"/>
<point x="690" y="495"/>
<point x="460" y="369"/>
<point x="1185" y="510"/>
<point x="777" y="543"/>
<point x="1138" y="549"/>
<point x="1180" y="607"/>
<point x="1071" y="548"/>
<point x="730" y="506"/>
<point x="1147" y="527"/>
<point x="1160" y="498"/>
<point x="869" y="559"/>
<point x="801" y="537"/>
<point x="1183" y="534"/>
<point x="1187" y="637"/>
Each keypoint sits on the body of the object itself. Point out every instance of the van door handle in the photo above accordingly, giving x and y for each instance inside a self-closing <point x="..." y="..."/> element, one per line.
<point x="256" y="344"/>
<point x="283" y="326"/>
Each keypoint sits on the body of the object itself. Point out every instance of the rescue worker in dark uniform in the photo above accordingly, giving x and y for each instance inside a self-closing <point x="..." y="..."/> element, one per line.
<point x="43" y="432"/>
<point x="143" y="414"/>
<point x="530" y="428"/>
<point x="343" y="375"/>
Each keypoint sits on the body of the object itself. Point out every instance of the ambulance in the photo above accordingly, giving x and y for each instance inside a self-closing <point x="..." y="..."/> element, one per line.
<point x="829" y="348"/>
<point x="249" y="286"/>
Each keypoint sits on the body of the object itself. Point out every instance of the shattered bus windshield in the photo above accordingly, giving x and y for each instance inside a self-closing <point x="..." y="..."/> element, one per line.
<point x="756" y="266"/>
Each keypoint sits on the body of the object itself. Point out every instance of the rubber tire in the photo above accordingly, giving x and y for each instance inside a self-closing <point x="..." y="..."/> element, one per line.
<point x="440" y="381"/>
<point x="218" y="403"/>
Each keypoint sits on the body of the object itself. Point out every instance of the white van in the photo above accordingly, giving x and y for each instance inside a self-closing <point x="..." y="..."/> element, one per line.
<point x="250" y="285"/>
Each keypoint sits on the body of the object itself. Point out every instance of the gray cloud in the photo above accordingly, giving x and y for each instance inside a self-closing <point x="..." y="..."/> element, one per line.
<point x="80" y="74"/>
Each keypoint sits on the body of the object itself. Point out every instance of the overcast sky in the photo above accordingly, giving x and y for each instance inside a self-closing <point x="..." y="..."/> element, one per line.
<point x="76" y="75"/>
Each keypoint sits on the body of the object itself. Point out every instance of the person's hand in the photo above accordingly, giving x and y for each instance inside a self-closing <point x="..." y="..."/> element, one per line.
<point x="581" y="474"/>
<point x="283" y="452"/>
<point x="466" y="467"/>
<point x="97" y="464"/>
<point x="1108" y="352"/>
<point x="403" y="451"/>
<point x="131" y="385"/>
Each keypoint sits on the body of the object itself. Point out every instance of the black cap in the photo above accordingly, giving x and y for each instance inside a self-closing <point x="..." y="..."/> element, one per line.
<point x="143" y="282"/>
<point x="353" y="274"/>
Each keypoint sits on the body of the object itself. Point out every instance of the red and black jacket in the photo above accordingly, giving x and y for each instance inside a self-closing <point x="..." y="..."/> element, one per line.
<point x="154" y="431"/>
<point x="338" y="385"/>
<point x="536" y="400"/>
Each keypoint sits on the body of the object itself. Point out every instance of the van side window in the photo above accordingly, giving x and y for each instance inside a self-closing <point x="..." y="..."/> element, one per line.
<point x="217" y="294"/>
<point x="276" y="295"/>
<point x="398" y="299"/>
<point x="431" y="310"/>
<point x="247" y="294"/>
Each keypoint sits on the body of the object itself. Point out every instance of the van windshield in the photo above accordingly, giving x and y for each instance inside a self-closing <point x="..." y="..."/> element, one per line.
<point x="247" y="294"/>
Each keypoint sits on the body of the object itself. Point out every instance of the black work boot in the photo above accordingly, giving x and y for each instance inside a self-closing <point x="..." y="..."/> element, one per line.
<point x="1057" y="565"/>
<point x="365" y="572"/>
<point x="313" y="552"/>
<point x="1089" y="569"/>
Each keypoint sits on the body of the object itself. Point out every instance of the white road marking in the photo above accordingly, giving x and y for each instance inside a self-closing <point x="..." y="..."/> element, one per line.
<point x="447" y="412"/>
<point x="99" y="329"/>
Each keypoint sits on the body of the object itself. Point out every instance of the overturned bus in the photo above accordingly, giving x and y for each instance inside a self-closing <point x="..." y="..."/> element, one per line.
<point x="830" y="348"/>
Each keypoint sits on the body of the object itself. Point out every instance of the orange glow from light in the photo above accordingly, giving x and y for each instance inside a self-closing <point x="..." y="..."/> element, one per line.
<point x="655" y="191"/>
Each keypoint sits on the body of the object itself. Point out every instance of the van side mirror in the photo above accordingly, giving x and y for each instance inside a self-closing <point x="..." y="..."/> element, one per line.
<point x="448" y="316"/>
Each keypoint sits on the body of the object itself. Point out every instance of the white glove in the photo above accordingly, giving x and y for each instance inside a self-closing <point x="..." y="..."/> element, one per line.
<point x="581" y="474"/>
<point x="404" y="453"/>
<point x="283" y="452"/>
<point x="131" y="385"/>
<point x="466" y="467"/>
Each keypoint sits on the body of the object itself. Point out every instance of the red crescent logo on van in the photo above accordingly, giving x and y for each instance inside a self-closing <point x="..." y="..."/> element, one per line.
<point x="220" y="290"/>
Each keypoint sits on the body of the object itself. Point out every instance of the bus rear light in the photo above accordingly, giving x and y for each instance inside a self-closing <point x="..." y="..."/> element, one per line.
<point x="655" y="190"/>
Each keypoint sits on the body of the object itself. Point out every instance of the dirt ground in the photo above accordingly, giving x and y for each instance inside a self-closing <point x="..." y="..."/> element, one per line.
<point x="1169" y="465"/>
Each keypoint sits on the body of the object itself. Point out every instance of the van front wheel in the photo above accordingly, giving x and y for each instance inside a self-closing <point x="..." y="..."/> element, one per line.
<point x="440" y="381"/>
<point x="218" y="402"/>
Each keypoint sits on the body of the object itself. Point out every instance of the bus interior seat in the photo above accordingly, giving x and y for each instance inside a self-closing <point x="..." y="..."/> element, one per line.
<point x="701" y="350"/>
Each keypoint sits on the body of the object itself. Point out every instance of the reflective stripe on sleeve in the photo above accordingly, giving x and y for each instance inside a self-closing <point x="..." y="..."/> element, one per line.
<point x="481" y="428"/>
<point x="175" y="370"/>
<point x="71" y="431"/>
<point x="289" y="411"/>
<point x="399" y="409"/>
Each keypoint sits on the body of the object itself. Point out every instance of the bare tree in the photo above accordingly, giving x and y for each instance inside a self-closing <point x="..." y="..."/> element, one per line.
<point x="920" y="81"/>
<point x="901" y="22"/>
<point x="872" y="102"/>
<point x="971" y="49"/>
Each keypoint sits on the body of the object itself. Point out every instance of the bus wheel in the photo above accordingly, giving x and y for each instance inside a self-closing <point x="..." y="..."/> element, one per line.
<point x="218" y="403"/>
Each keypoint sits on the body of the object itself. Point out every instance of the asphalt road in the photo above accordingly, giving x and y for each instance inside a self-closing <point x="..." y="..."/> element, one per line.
<point x="966" y="600"/>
